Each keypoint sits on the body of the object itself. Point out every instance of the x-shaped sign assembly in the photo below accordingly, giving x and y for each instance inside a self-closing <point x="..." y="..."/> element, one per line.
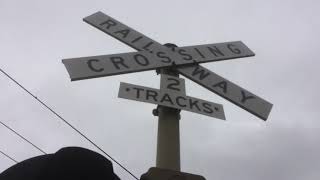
<point x="153" y="55"/>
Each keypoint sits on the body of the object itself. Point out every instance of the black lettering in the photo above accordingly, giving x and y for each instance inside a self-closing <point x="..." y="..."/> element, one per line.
<point x="174" y="85"/>
<point x="223" y="85"/>
<point x="234" y="50"/>
<point x="179" y="102"/>
<point x="199" y="52"/>
<point x="118" y="61"/>
<point x="90" y="61"/>
<point x="109" y="23"/>
<point x="165" y="59"/>
<point x="202" y="72"/>
<point x="194" y="103"/>
<point x="153" y="94"/>
<point x="138" y="91"/>
<point x="167" y="98"/>
<point x="215" y="51"/>
<point x="186" y="56"/>
<point x="141" y="60"/>
<point x="207" y="108"/>
<point x="245" y="97"/>
<point x="136" y="39"/>
<point x="124" y="32"/>
<point x="147" y="46"/>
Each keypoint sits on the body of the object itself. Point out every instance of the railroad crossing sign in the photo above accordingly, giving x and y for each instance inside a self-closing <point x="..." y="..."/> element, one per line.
<point x="153" y="55"/>
<point x="172" y="95"/>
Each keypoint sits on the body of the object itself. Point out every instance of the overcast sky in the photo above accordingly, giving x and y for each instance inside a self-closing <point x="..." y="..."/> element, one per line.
<point x="36" y="34"/>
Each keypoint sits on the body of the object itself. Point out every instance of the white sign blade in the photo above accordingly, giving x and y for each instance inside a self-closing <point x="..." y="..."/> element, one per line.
<point x="228" y="90"/>
<point x="107" y="65"/>
<point x="154" y="96"/>
<point x="138" y="41"/>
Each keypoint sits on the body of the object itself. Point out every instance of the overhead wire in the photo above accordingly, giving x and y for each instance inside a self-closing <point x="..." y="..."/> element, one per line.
<point x="22" y="137"/>
<point x="70" y="125"/>
<point x="9" y="157"/>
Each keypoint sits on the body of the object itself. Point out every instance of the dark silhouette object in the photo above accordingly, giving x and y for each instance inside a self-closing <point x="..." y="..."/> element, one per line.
<point x="70" y="163"/>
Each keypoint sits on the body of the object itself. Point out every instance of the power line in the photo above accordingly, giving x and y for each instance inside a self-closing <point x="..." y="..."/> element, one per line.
<point x="65" y="121"/>
<point x="22" y="137"/>
<point x="8" y="157"/>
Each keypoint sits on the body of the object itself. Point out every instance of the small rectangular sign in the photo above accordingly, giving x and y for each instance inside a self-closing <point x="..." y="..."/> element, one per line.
<point x="167" y="174"/>
<point x="154" y="96"/>
<point x="172" y="84"/>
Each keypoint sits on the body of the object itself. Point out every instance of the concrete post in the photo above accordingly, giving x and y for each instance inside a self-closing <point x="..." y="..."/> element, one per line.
<point x="168" y="146"/>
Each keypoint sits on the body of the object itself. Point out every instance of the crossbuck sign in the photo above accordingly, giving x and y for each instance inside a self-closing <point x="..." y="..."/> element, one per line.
<point x="153" y="55"/>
